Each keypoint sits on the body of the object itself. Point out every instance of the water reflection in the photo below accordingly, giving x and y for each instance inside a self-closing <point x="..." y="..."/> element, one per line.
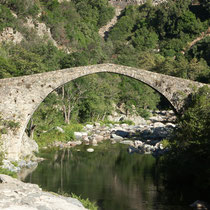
<point x="110" y="176"/>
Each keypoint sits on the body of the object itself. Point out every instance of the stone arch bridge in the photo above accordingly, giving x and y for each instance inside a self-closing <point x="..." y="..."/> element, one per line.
<point x="20" y="96"/>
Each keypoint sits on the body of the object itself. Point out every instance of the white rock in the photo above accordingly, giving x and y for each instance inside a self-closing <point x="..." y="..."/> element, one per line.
<point x="116" y="137"/>
<point x="90" y="150"/>
<point x="129" y="142"/>
<point x="97" y="124"/>
<point x="59" y="129"/>
<point x="80" y="135"/>
<point x="94" y="141"/>
<point x="138" y="143"/>
<point x="86" y="139"/>
<point x="77" y="142"/>
<point x="170" y="125"/>
<point x="99" y="138"/>
<point x="158" y="124"/>
<point x="88" y="126"/>
<point x="15" y="195"/>
<point x="161" y="146"/>
<point x="124" y="125"/>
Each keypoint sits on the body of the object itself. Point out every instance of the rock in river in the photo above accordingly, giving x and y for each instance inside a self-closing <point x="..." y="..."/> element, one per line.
<point x="90" y="150"/>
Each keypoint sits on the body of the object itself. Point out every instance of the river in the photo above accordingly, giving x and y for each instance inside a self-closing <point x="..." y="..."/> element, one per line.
<point x="110" y="176"/>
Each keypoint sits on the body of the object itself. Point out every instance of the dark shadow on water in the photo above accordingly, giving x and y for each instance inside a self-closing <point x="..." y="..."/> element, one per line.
<point x="110" y="176"/>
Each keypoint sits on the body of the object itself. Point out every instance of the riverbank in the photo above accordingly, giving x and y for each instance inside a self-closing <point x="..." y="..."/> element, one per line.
<point x="144" y="137"/>
<point x="17" y="195"/>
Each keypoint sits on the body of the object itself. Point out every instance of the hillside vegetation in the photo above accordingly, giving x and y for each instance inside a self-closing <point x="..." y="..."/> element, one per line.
<point x="157" y="38"/>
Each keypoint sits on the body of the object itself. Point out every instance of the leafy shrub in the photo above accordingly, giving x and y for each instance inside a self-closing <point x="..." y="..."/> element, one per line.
<point x="6" y="17"/>
<point x="86" y="202"/>
<point x="190" y="149"/>
<point x="7" y="172"/>
<point x="129" y="122"/>
<point x="23" y="7"/>
<point x="70" y="129"/>
<point x="165" y="143"/>
<point x="12" y="125"/>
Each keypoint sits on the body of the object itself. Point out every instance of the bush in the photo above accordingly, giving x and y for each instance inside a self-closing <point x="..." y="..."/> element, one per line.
<point x="6" y="17"/>
<point x="86" y="202"/>
<point x="190" y="149"/>
<point x="7" y="172"/>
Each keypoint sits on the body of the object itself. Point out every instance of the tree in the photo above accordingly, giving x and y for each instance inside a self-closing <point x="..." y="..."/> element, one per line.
<point x="190" y="148"/>
<point x="7" y="69"/>
<point x="145" y="39"/>
<point x="70" y="94"/>
<point x="25" y="61"/>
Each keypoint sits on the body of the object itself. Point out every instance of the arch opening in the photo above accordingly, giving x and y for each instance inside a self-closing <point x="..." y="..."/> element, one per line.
<point x="115" y="86"/>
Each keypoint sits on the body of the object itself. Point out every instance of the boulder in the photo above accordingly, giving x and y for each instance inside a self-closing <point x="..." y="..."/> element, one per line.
<point x="129" y="142"/>
<point x="94" y="141"/>
<point x="90" y="150"/>
<point x="16" y="195"/>
<point x="86" y="140"/>
<point x="170" y="125"/>
<point x="160" y="132"/>
<point x="96" y="124"/>
<point x="80" y="135"/>
<point x="138" y="143"/>
<point x="89" y="126"/>
<point x="124" y="125"/>
<point x="77" y="142"/>
<point x="200" y="205"/>
<point x="122" y="133"/>
<point x="116" y="137"/>
<point x="158" y="124"/>
<point x="99" y="138"/>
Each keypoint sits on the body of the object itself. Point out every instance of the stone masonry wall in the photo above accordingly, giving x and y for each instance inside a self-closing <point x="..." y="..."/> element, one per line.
<point x="20" y="97"/>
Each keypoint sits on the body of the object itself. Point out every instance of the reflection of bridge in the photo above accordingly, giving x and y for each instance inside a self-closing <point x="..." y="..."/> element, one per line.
<point x="20" y="96"/>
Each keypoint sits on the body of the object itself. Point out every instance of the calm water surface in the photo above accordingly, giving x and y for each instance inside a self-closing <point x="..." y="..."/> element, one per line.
<point x="110" y="176"/>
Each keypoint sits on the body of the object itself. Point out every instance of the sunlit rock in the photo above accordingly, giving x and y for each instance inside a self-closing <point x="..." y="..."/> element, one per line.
<point x="90" y="150"/>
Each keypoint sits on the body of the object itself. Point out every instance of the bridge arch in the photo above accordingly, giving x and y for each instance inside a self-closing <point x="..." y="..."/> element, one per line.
<point x="21" y="96"/>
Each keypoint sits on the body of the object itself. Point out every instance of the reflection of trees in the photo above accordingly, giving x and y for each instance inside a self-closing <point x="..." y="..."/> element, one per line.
<point x="106" y="173"/>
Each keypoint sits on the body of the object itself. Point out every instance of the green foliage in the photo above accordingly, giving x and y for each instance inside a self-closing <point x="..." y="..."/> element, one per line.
<point x="190" y="149"/>
<point x="75" y="24"/>
<point x="201" y="50"/>
<point x="6" y="125"/>
<point x="49" y="137"/>
<point x="165" y="143"/>
<point x="147" y="37"/>
<point x="129" y="122"/>
<point x="206" y="5"/>
<point x="86" y="202"/>
<point x="7" y="69"/>
<point x="12" y="125"/>
<point x="144" y="39"/>
<point x="26" y="62"/>
<point x="23" y="7"/>
<point x="6" y="17"/>
<point x="194" y="124"/>
<point x="7" y="172"/>
<point x="1" y="156"/>
<point x="70" y="129"/>
<point x="15" y="163"/>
